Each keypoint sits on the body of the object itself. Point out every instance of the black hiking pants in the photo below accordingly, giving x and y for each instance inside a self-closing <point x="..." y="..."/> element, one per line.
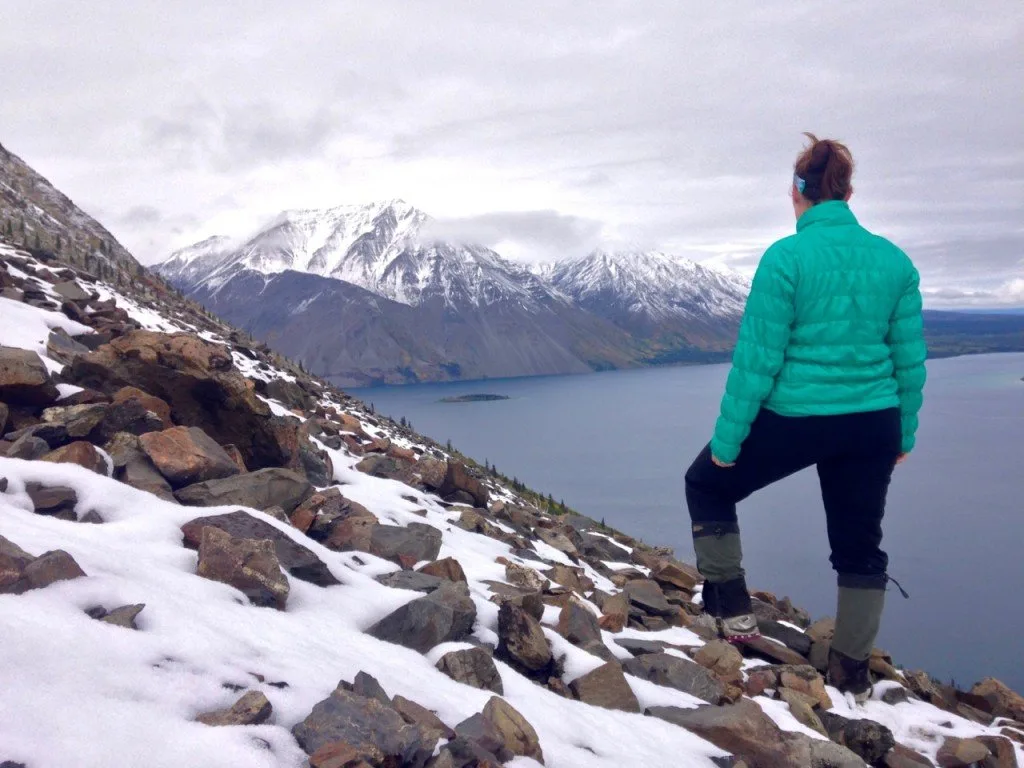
<point x="854" y="454"/>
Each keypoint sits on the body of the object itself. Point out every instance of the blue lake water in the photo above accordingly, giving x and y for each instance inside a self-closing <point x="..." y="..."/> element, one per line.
<point x="615" y="445"/>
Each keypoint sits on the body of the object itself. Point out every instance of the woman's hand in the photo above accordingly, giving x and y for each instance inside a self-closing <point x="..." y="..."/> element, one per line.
<point x="719" y="463"/>
<point x="901" y="458"/>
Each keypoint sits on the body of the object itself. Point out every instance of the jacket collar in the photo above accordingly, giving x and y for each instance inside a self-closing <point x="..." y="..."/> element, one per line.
<point x="829" y="213"/>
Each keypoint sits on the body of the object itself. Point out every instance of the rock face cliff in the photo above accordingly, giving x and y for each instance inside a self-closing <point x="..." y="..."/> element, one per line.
<point x="210" y="557"/>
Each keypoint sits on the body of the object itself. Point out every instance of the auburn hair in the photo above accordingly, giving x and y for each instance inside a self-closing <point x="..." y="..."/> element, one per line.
<point x="826" y="166"/>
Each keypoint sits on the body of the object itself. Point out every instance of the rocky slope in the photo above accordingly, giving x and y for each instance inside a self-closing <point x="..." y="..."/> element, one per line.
<point x="35" y="215"/>
<point x="198" y="541"/>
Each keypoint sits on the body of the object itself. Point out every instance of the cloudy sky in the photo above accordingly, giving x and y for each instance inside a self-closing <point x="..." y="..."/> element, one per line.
<point x="539" y="127"/>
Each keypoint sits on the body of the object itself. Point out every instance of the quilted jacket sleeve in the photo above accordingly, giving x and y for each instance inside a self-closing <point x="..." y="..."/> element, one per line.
<point x="908" y="351"/>
<point x="760" y="351"/>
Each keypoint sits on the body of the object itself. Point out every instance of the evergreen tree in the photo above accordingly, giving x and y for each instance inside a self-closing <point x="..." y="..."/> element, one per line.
<point x="10" y="228"/>
<point x="403" y="422"/>
<point x="448" y="445"/>
<point x="36" y="243"/>
<point x="57" y="245"/>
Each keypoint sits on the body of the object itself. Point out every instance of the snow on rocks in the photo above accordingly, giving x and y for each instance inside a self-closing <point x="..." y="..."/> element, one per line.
<point x="581" y="630"/>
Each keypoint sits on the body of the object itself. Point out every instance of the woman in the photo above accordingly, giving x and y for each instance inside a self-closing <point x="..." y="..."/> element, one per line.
<point x="828" y="371"/>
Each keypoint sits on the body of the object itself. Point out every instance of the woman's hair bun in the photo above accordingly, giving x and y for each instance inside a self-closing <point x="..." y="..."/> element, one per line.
<point x="826" y="166"/>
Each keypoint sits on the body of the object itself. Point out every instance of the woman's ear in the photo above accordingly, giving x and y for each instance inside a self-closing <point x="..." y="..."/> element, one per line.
<point x="848" y="195"/>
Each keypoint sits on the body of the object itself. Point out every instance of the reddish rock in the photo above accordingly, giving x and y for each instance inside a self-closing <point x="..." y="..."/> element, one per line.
<point x="81" y="453"/>
<point x="24" y="379"/>
<point x="961" y="753"/>
<point x="606" y="687"/>
<point x="674" y="574"/>
<point x="249" y="565"/>
<point x="49" y="568"/>
<point x="457" y="478"/>
<point x="1002" y="700"/>
<point x="448" y="568"/>
<point x="615" y="612"/>
<point x="187" y="455"/>
<point x="722" y="658"/>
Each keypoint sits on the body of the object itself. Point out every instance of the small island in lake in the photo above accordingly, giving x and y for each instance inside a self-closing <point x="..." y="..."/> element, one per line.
<point x="474" y="398"/>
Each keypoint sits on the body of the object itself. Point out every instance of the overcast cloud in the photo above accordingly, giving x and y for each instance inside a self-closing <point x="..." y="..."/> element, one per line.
<point x="538" y="127"/>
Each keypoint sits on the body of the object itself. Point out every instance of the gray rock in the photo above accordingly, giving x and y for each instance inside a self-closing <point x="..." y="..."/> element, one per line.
<point x="474" y="667"/>
<point x="296" y="559"/>
<point x="866" y="738"/>
<point x="259" y="490"/>
<point x="445" y="615"/>
<point x="521" y="641"/>
<point x="28" y="447"/>
<point x="416" y="541"/>
<point x="48" y="568"/>
<point x="578" y="625"/>
<point x="479" y="730"/>
<point x="412" y="580"/>
<point x="367" y="685"/>
<point x="793" y="639"/>
<point x="414" y="714"/>
<point x="681" y="674"/>
<point x="640" y="647"/>
<point x="122" y="617"/>
<point x="63" y="348"/>
<point x="372" y="729"/>
<point x="55" y="501"/>
<point x="744" y="730"/>
<point x="646" y="595"/>
<point x="71" y="291"/>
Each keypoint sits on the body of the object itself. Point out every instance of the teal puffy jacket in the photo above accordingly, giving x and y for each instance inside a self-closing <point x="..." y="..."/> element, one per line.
<point x="832" y="326"/>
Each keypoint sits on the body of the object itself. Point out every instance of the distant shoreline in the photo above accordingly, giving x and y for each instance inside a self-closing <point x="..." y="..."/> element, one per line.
<point x="473" y="398"/>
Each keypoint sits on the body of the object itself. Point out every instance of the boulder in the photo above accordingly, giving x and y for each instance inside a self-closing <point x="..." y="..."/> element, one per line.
<point x="521" y="641"/>
<point x="317" y="514"/>
<point x="646" y="595"/>
<point x="792" y="638"/>
<point x="429" y="723"/>
<point x="448" y="568"/>
<point x="1003" y="753"/>
<point x="558" y="540"/>
<point x="606" y="687"/>
<point x="297" y="560"/>
<point x="457" y="478"/>
<point x="571" y="578"/>
<point x="866" y="738"/>
<point x="600" y="547"/>
<point x="430" y="473"/>
<point x="367" y="685"/>
<point x="187" y="455"/>
<point x="24" y="379"/>
<point x="353" y="533"/>
<point x="1002" y="701"/>
<point x="199" y="382"/>
<point x="578" y="625"/>
<point x="13" y="560"/>
<point x="473" y="666"/>
<point x="445" y="615"/>
<point x="742" y="729"/>
<point x="71" y="291"/>
<point x="133" y="467"/>
<point x="77" y="420"/>
<point x="805" y="680"/>
<point x="152" y="404"/>
<point x="249" y="565"/>
<point x="615" y="613"/>
<point x="773" y="651"/>
<point x="516" y="733"/>
<point x="681" y="674"/>
<point x="412" y="580"/>
<point x="251" y="709"/>
<point x="961" y="753"/>
<point x="45" y="570"/>
<point x="481" y="732"/>
<point x="81" y="453"/>
<point x="119" y="617"/>
<point x="374" y="733"/>
<point x="27" y="447"/>
<point x="415" y="541"/>
<point x="802" y="708"/>
<point x="525" y="577"/>
<point x="674" y="574"/>
<point x="258" y="490"/>
<point x="722" y="658"/>
<point x="54" y="501"/>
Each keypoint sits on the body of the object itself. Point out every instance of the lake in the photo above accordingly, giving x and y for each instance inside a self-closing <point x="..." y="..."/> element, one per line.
<point x="615" y="446"/>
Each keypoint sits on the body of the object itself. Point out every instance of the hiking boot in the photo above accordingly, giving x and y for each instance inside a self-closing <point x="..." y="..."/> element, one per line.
<point x="729" y="602"/>
<point x="737" y="629"/>
<point x="849" y="675"/>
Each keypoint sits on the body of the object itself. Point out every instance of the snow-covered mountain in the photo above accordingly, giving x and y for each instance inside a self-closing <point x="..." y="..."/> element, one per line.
<point x="651" y="284"/>
<point x="475" y="312"/>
